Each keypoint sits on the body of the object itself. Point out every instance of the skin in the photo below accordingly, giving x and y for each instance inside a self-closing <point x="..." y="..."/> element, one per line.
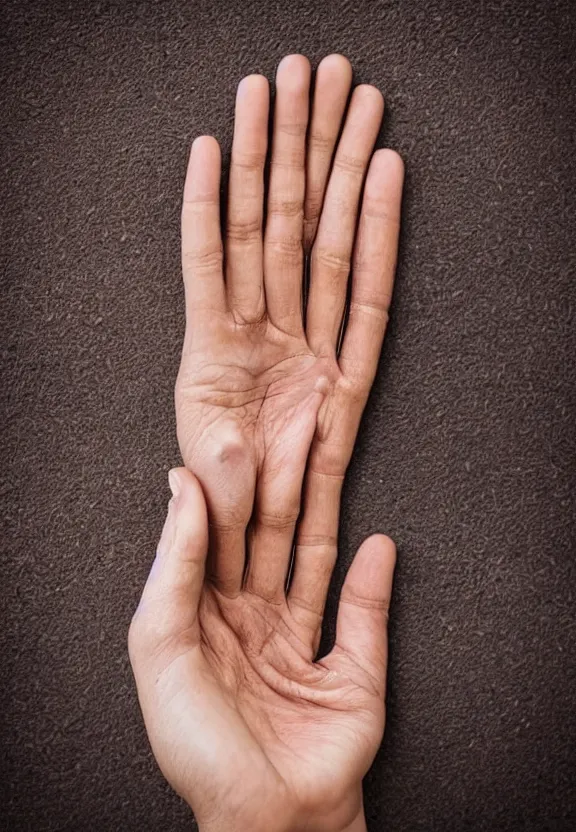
<point x="245" y="724"/>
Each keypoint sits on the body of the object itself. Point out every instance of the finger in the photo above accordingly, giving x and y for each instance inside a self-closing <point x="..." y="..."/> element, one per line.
<point x="169" y="604"/>
<point x="373" y="276"/>
<point x="332" y="250"/>
<point x="373" y="271"/>
<point x="244" y="266"/>
<point x="316" y="544"/>
<point x="283" y="254"/>
<point x="227" y="470"/>
<point x="316" y="550"/>
<point x="277" y="504"/>
<point x="331" y="90"/>
<point x="361" y="647"/>
<point x="225" y="463"/>
<point x="201" y="238"/>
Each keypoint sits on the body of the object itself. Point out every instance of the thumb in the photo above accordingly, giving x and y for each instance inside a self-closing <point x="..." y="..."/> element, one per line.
<point x="361" y="627"/>
<point x="169" y="604"/>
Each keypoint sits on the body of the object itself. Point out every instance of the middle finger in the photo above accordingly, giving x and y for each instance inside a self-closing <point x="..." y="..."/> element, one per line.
<point x="283" y="252"/>
<point x="332" y="250"/>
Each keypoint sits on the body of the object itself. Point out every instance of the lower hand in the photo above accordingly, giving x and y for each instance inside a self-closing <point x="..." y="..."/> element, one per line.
<point x="245" y="725"/>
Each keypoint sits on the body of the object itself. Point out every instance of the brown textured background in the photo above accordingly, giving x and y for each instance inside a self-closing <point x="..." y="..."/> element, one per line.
<point x="467" y="452"/>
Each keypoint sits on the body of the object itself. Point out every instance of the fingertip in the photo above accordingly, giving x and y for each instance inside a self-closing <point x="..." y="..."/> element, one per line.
<point x="385" y="178"/>
<point x="206" y="145"/>
<point x="253" y="84"/>
<point x="174" y="482"/>
<point x="169" y="602"/>
<point x="390" y="159"/>
<point x="382" y="546"/>
<point x="204" y="142"/>
<point x="203" y="172"/>
<point x="335" y="67"/>
<point x="187" y="515"/>
<point x="364" y="607"/>
<point x="294" y="69"/>
<point x="292" y="60"/>
<point x="179" y="472"/>
<point x="369" y="94"/>
<point x="373" y="567"/>
<point x="186" y="487"/>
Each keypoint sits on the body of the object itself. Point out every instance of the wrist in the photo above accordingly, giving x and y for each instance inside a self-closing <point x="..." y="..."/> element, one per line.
<point x="358" y="824"/>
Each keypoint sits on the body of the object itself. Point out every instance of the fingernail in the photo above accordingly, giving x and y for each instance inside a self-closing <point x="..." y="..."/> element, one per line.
<point x="165" y="541"/>
<point x="170" y="522"/>
<point x="174" y="483"/>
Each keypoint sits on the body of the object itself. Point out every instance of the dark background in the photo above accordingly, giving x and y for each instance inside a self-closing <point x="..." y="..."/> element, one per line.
<point x="467" y="452"/>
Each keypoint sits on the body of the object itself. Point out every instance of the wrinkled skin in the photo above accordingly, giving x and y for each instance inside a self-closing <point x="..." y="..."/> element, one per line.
<point x="245" y="724"/>
<point x="251" y="407"/>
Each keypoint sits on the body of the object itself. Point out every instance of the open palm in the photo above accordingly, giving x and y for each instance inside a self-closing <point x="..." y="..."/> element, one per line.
<point x="244" y="724"/>
<point x="264" y="375"/>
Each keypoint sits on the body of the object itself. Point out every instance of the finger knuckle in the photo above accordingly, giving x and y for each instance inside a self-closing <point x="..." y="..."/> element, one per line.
<point x="321" y="543"/>
<point x="349" y="164"/>
<point x="151" y="630"/>
<point x="228" y="447"/>
<point x="319" y="143"/>
<point x="252" y="162"/>
<point x="377" y="209"/>
<point x="196" y="204"/>
<point x="294" y="129"/>
<point x="285" y="208"/>
<point x="357" y="381"/>
<point x="289" y="159"/>
<point x="244" y="230"/>
<point x="200" y="261"/>
<point x="334" y="263"/>
<point x="314" y="202"/>
<point x="330" y="457"/>
<point x="284" y="251"/>
<point x="375" y="308"/>
<point x="380" y="605"/>
<point x="282" y="520"/>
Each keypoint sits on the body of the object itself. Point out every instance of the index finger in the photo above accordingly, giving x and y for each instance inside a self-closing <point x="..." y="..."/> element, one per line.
<point x="202" y="253"/>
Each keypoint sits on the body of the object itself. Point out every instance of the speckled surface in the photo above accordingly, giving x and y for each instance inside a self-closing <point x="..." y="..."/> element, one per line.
<point x="467" y="452"/>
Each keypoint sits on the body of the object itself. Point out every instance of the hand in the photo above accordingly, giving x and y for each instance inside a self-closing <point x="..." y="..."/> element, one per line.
<point x="257" y="382"/>
<point x="245" y="725"/>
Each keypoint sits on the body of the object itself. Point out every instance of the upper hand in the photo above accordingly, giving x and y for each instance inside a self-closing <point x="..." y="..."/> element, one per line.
<point x="260" y="377"/>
